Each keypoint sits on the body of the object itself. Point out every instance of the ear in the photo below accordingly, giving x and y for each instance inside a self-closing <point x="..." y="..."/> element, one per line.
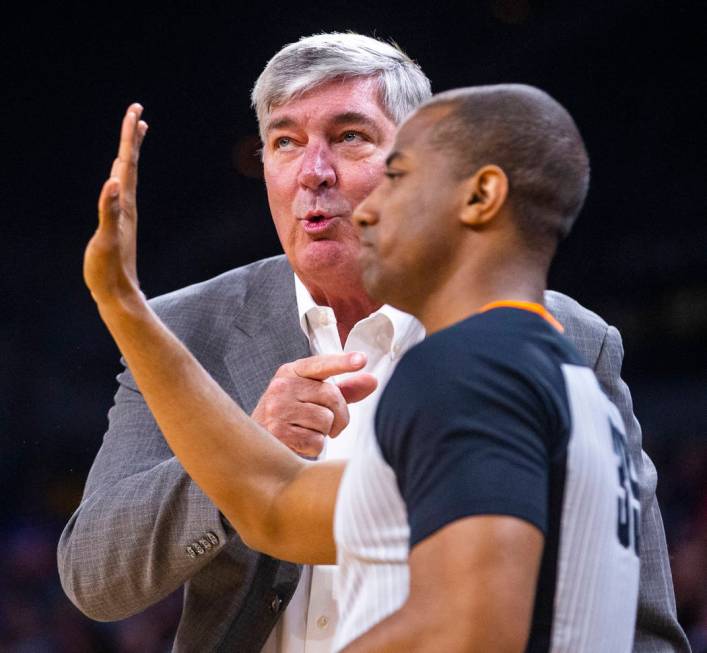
<point x="485" y="194"/>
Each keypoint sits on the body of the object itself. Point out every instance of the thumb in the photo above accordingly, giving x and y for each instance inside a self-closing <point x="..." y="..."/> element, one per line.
<point x="357" y="387"/>
<point x="109" y="203"/>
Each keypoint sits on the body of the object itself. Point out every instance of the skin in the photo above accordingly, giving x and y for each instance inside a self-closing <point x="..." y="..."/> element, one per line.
<point x="422" y="243"/>
<point x="454" y="242"/>
<point x="324" y="152"/>
<point x="284" y="493"/>
<point x="277" y="502"/>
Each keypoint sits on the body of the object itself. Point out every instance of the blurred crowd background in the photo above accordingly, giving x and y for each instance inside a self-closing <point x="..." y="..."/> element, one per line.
<point x="630" y="74"/>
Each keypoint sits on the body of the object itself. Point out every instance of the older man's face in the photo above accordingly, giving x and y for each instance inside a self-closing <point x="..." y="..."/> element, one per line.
<point x="324" y="153"/>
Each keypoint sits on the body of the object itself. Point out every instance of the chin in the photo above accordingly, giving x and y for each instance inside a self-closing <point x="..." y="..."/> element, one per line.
<point x="388" y="290"/>
<point x="374" y="287"/>
<point x="322" y="256"/>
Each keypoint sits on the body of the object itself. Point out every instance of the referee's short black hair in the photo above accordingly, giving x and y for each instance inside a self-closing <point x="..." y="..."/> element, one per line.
<point x="533" y="139"/>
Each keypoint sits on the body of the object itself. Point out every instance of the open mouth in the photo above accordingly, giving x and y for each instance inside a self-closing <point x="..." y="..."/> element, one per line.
<point x="317" y="223"/>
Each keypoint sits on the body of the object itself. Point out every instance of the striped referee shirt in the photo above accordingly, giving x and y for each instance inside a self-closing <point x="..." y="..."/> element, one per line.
<point x="497" y="414"/>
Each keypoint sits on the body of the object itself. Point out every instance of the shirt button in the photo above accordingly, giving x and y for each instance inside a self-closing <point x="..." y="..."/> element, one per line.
<point x="275" y="604"/>
<point x="323" y="622"/>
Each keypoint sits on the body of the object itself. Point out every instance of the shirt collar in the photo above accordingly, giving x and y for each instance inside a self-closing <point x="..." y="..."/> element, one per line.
<point x="305" y="304"/>
<point x="407" y="330"/>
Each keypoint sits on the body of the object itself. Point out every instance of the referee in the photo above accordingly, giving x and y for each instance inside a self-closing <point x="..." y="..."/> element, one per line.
<point x="496" y="508"/>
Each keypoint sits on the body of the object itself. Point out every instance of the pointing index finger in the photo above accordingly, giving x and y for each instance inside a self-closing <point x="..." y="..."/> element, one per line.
<point x="320" y="368"/>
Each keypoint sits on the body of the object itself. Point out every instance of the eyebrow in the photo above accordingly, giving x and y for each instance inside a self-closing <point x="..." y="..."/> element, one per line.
<point x="281" y="123"/>
<point x="340" y="119"/>
<point x="397" y="154"/>
<point x="354" y="117"/>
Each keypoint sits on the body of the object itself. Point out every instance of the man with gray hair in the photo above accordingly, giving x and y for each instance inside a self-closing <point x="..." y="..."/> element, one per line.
<point x="271" y="333"/>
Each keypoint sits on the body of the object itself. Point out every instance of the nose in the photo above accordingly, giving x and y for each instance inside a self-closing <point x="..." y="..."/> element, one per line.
<point x="317" y="167"/>
<point x="366" y="213"/>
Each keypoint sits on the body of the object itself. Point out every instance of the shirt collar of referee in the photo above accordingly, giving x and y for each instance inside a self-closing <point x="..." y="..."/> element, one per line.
<point x="533" y="307"/>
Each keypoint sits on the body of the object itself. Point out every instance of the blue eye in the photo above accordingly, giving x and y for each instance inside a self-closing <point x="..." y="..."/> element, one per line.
<point x="351" y="137"/>
<point x="283" y="141"/>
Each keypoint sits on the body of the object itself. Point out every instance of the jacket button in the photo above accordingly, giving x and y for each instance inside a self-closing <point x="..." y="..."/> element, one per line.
<point x="190" y="552"/>
<point x="205" y="543"/>
<point x="275" y="604"/>
<point x="212" y="538"/>
<point x="198" y="548"/>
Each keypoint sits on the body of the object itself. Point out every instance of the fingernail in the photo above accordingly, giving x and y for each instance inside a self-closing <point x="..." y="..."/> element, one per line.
<point x="114" y="189"/>
<point x="357" y="359"/>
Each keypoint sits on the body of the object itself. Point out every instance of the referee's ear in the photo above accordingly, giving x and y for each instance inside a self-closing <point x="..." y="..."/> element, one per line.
<point x="484" y="195"/>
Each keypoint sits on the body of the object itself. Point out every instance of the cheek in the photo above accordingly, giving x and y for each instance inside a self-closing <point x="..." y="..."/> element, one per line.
<point x="280" y="198"/>
<point x="360" y="179"/>
<point x="408" y="237"/>
<point x="394" y="228"/>
<point x="276" y="184"/>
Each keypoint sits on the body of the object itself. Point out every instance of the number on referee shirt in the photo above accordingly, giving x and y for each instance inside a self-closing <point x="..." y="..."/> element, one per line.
<point x="629" y="506"/>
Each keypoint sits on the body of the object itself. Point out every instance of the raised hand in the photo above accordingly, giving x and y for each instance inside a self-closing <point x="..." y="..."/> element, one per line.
<point x="300" y="408"/>
<point x="109" y="269"/>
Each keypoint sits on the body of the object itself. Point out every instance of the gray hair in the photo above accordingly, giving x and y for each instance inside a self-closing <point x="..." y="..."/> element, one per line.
<point x="314" y="60"/>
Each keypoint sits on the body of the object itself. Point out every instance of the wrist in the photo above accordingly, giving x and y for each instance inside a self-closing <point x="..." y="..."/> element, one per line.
<point x="129" y="306"/>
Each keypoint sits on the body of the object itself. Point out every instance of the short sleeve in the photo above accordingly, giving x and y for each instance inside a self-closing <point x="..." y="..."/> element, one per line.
<point x="466" y="434"/>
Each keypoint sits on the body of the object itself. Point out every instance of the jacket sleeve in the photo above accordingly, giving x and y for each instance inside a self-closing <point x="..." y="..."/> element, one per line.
<point x="657" y="628"/>
<point x="143" y="526"/>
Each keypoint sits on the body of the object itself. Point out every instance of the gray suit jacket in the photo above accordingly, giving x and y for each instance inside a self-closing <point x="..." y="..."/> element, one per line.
<point x="144" y="528"/>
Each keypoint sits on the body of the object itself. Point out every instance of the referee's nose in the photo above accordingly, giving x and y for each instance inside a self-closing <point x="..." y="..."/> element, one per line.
<point x="367" y="214"/>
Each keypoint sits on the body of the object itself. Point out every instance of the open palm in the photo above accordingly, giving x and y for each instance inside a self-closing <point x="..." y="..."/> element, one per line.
<point x="109" y="261"/>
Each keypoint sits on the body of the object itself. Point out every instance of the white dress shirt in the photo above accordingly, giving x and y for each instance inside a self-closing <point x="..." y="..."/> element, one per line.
<point x="309" y="622"/>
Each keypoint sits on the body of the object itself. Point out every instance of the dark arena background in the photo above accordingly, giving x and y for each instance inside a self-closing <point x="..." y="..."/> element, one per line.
<point x="628" y="72"/>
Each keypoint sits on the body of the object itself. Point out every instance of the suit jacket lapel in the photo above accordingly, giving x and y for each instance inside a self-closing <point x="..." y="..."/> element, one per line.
<point x="266" y="332"/>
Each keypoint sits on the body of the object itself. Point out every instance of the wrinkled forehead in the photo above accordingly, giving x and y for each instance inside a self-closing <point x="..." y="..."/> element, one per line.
<point x="358" y="96"/>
